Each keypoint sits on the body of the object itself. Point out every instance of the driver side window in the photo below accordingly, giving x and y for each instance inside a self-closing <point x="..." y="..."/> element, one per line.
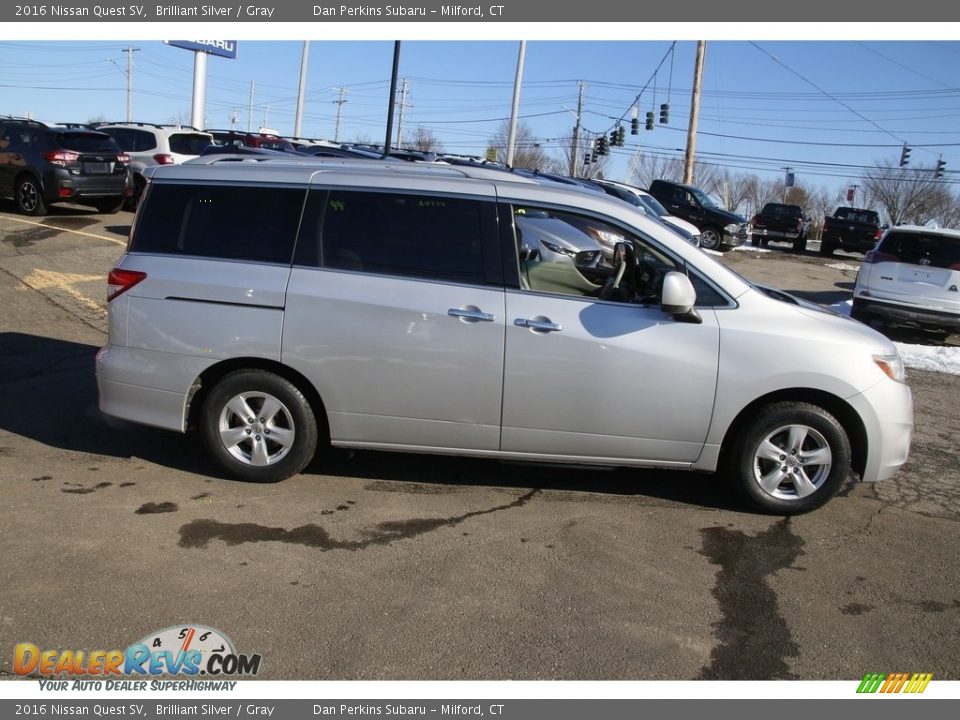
<point x="578" y="255"/>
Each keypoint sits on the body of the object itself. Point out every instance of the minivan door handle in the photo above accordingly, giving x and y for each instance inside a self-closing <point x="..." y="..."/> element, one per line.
<point x="470" y="313"/>
<point x="538" y="324"/>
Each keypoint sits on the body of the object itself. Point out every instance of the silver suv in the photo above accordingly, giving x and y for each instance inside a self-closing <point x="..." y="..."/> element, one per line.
<point x="280" y="305"/>
<point x="148" y="145"/>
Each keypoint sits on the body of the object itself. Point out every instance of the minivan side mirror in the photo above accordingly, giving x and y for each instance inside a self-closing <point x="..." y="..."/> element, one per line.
<point x="678" y="298"/>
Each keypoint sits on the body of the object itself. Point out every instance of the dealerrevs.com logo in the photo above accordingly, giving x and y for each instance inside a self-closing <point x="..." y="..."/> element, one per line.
<point x="191" y="650"/>
<point x="888" y="683"/>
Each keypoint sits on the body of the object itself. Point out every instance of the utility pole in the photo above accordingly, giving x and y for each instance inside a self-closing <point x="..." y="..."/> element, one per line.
<point x="266" y="115"/>
<point x="574" y="155"/>
<point x="688" y="159"/>
<point x="391" y="98"/>
<point x="250" y="110"/>
<point x="514" y="111"/>
<point x="129" y="73"/>
<point x="339" y="103"/>
<point x="402" y="102"/>
<point x="298" y="121"/>
<point x="130" y="52"/>
<point x="786" y="177"/>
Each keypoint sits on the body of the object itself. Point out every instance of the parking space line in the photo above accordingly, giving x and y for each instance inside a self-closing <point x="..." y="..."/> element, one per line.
<point x="75" y="232"/>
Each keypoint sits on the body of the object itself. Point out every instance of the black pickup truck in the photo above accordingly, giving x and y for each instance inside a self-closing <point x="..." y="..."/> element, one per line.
<point x="780" y="222"/>
<point x="719" y="228"/>
<point x="850" y="229"/>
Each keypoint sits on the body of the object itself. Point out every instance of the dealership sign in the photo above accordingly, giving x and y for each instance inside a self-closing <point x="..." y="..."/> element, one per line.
<point x="223" y="48"/>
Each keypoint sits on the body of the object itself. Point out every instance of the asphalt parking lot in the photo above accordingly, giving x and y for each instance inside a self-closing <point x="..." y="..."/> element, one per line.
<point x="380" y="566"/>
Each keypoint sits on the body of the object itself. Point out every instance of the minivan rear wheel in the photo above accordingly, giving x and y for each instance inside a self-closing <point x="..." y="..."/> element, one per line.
<point x="792" y="458"/>
<point x="258" y="426"/>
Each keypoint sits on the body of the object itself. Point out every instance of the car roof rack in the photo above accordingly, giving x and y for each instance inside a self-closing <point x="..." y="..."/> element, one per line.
<point x="24" y="119"/>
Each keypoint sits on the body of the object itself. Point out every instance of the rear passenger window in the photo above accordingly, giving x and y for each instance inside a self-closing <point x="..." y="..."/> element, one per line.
<point x="233" y="223"/>
<point x="430" y="237"/>
<point x="917" y="249"/>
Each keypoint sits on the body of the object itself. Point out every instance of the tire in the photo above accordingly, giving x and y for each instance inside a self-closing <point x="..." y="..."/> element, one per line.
<point x="240" y="445"/>
<point x="826" y="249"/>
<point x="800" y="245"/>
<point x="812" y="475"/>
<point x="711" y="239"/>
<point x="29" y="196"/>
<point x="109" y="206"/>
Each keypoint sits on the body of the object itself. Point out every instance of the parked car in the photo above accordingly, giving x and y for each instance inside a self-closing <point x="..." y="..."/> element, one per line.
<point x="276" y="308"/>
<point x="852" y="229"/>
<point x="41" y="165"/>
<point x="719" y="228"/>
<point x="265" y="141"/>
<point x="780" y="221"/>
<point x="641" y="198"/>
<point x="148" y="144"/>
<point x="912" y="280"/>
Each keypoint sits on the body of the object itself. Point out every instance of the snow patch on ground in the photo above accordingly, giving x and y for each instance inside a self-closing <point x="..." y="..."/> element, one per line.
<point x="753" y="248"/>
<point x="842" y="266"/>
<point x="712" y="252"/>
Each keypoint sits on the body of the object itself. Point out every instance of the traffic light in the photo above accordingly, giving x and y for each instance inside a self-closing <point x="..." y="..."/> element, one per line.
<point x="614" y="137"/>
<point x="635" y="126"/>
<point x="586" y="159"/>
<point x="650" y="120"/>
<point x="941" y="167"/>
<point x="904" y="155"/>
<point x="621" y="136"/>
<point x="664" y="113"/>
<point x="602" y="147"/>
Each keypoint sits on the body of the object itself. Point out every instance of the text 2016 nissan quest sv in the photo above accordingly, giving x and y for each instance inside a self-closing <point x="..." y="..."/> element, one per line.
<point x="282" y="304"/>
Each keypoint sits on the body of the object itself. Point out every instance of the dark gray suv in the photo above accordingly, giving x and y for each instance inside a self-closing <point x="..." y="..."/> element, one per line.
<point x="42" y="164"/>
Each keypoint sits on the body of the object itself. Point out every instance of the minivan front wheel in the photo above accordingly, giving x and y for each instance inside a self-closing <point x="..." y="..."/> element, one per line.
<point x="258" y="426"/>
<point x="791" y="459"/>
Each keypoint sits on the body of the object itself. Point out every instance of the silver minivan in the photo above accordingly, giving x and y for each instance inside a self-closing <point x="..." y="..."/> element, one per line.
<point x="280" y="305"/>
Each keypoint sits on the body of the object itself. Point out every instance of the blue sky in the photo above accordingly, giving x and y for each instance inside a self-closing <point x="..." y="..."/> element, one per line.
<point x="823" y="108"/>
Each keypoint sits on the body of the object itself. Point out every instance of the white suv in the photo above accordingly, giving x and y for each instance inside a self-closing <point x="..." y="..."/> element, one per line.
<point x="911" y="279"/>
<point x="281" y="304"/>
<point x="149" y="145"/>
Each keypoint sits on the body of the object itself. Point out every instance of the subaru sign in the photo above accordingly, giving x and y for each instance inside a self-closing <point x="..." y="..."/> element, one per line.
<point x="223" y="48"/>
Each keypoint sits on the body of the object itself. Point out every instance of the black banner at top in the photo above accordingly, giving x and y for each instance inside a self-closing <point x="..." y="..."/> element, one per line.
<point x="495" y="11"/>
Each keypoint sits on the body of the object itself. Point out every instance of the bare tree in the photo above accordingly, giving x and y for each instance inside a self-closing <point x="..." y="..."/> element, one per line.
<point x="527" y="151"/>
<point x="424" y="139"/>
<point x="645" y="168"/>
<point x="905" y="195"/>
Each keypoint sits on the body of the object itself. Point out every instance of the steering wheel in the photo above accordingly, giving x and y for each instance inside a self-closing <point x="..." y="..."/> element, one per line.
<point x="649" y="279"/>
<point x="612" y="283"/>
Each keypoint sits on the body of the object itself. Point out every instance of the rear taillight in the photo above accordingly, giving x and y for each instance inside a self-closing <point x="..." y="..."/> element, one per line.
<point x="826" y="225"/>
<point x="61" y="157"/>
<point x="877" y="234"/>
<point x="955" y="266"/>
<point x="123" y="159"/>
<point x="163" y="159"/>
<point x="874" y="256"/>
<point x="119" y="281"/>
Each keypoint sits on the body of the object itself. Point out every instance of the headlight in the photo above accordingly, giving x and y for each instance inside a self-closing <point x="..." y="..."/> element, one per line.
<point x="557" y="249"/>
<point x="731" y="229"/>
<point x="892" y="366"/>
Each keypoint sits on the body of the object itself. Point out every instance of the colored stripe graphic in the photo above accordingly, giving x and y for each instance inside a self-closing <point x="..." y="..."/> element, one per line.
<point x="894" y="683"/>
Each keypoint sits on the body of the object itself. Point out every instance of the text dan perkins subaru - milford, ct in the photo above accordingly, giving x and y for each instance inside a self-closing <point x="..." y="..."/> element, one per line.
<point x="359" y="11"/>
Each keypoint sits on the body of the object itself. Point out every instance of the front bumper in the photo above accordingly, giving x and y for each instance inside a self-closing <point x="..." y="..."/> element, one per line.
<point x="887" y="413"/>
<point x="908" y="315"/>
